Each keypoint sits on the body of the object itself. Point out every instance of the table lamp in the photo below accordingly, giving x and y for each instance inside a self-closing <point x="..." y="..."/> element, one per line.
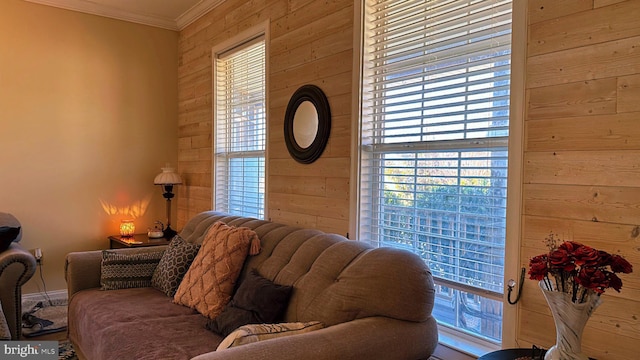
<point x="167" y="178"/>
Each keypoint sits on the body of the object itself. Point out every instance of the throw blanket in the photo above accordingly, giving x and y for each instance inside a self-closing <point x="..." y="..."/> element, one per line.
<point x="4" y="328"/>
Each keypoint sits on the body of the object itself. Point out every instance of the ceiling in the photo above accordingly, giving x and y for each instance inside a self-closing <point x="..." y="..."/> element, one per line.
<point x="167" y="14"/>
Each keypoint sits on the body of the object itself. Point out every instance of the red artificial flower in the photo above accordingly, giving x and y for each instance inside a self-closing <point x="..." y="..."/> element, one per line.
<point x="615" y="282"/>
<point x="605" y="258"/>
<point x="586" y="256"/>
<point x="538" y="267"/>
<point x="561" y="259"/>
<point x="593" y="278"/>
<point x="575" y="268"/>
<point x="619" y="264"/>
<point x="570" y="246"/>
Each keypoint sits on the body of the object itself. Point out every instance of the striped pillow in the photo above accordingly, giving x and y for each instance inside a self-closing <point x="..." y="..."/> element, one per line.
<point x="122" y="271"/>
<point x="248" y="334"/>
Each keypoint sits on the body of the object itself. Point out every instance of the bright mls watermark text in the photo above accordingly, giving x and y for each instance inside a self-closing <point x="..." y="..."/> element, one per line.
<point x="32" y="350"/>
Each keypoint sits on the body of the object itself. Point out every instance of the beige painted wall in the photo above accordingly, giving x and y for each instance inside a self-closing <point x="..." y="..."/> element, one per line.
<point x="88" y="113"/>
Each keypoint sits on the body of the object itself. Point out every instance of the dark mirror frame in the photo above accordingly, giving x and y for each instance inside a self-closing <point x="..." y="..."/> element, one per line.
<point x="314" y="95"/>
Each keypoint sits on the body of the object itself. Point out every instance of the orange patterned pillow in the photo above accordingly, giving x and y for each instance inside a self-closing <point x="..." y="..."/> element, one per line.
<point x="208" y="284"/>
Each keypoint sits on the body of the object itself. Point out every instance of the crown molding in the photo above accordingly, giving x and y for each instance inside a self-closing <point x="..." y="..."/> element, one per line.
<point x="196" y="12"/>
<point x="177" y="24"/>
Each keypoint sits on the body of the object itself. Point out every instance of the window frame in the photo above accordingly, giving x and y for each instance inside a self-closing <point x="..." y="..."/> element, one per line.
<point x="237" y="42"/>
<point x="453" y="340"/>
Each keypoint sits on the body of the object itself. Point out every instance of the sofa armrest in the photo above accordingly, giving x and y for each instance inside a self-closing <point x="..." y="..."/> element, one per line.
<point x="17" y="266"/>
<point x="82" y="269"/>
<point x="369" y="338"/>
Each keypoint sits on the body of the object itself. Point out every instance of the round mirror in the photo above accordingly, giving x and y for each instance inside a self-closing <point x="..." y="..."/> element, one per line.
<point x="307" y="124"/>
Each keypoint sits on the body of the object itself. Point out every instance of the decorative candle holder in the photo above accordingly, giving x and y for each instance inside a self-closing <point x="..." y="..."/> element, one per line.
<point x="127" y="228"/>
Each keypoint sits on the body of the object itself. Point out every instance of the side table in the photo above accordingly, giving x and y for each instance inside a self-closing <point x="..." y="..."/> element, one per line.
<point x="137" y="240"/>
<point x="534" y="353"/>
<point x="513" y="354"/>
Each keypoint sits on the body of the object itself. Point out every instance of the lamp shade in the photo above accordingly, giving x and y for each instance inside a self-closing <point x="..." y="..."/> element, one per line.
<point x="168" y="176"/>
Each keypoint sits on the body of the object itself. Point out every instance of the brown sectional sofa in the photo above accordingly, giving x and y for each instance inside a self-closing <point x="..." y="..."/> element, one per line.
<point x="375" y="303"/>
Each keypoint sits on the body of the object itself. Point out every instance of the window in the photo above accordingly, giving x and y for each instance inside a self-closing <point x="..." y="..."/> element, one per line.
<point x="240" y="130"/>
<point x="433" y="147"/>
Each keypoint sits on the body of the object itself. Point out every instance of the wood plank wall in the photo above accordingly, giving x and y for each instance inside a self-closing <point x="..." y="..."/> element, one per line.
<point x="582" y="157"/>
<point x="582" y="136"/>
<point x="311" y="42"/>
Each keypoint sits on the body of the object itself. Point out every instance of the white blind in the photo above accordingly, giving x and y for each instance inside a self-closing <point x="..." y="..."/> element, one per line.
<point x="434" y="138"/>
<point x="240" y="130"/>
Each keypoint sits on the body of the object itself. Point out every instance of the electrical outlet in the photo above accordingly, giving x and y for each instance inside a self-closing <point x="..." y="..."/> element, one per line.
<point x="38" y="254"/>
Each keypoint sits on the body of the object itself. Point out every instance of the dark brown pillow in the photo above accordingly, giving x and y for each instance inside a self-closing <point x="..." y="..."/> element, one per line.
<point x="7" y="235"/>
<point x="257" y="301"/>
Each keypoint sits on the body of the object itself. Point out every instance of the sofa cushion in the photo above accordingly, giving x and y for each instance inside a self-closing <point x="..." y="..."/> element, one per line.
<point x="122" y="271"/>
<point x="248" y="334"/>
<point x="257" y="300"/>
<point x="208" y="284"/>
<point x="7" y="236"/>
<point x="136" y="323"/>
<point x="174" y="264"/>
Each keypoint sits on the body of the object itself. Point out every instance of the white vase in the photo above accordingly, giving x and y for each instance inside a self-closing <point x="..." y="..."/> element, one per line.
<point x="570" y="319"/>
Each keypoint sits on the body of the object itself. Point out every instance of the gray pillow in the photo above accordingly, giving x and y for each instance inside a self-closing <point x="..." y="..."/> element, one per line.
<point x="174" y="264"/>
<point x="122" y="271"/>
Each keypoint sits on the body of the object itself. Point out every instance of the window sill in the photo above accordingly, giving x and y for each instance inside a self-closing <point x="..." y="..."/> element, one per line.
<point x="468" y="347"/>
